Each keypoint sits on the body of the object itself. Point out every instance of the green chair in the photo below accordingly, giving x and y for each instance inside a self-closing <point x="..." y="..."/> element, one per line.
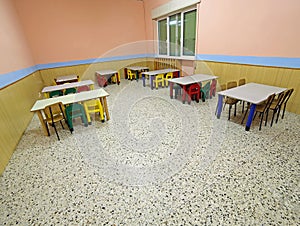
<point x="70" y="90"/>
<point x="205" y="90"/>
<point x="74" y="111"/>
<point x="55" y="93"/>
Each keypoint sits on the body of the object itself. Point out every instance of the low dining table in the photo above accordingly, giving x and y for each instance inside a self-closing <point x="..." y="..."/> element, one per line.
<point x="253" y="93"/>
<point x="185" y="81"/>
<point x="136" y="69"/>
<point x="107" y="74"/>
<point x="46" y="90"/>
<point x="40" y="105"/>
<point x="152" y="74"/>
<point x="66" y="78"/>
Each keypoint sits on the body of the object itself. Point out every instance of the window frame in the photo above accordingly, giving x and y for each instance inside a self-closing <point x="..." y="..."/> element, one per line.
<point x="167" y="17"/>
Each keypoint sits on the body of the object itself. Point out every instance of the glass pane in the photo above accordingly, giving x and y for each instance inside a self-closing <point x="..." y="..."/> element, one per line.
<point x="189" y="33"/>
<point x="162" y="35"/>
<point x="174" y="34"/>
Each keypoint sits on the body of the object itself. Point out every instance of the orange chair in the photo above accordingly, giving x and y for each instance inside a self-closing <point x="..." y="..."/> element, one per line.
<point x="231" y="101"/>
<point x="54" y="113"/>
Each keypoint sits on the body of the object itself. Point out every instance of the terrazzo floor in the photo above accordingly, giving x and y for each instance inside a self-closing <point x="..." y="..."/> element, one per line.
<point x="155" y="162"/>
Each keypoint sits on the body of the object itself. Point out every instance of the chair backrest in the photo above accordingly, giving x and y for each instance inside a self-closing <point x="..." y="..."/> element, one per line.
<point x="213" y="83"/>
<point x="55" y="93"/>
<point x="288" y="95"/>
<point x="231" y="84"/>
<point x="83" y="88"/>
<point x="129" y="72"/>
<point x="70" y="90"/>
<point x="269" y="101"/>
<point x="242" y="81"/>
<point x="223" y="87"/>
<point x="281" y="98"/>
<point x="53" y="110"/>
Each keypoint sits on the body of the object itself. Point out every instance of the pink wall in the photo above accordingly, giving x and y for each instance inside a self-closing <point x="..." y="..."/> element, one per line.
<point x="15" y="53"/>
<point x="249" y="28"/>
<point x="243" y="28"/>
<point x="66" y="30"/>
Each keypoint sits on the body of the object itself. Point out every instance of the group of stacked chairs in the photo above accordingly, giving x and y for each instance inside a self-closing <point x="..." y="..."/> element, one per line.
<point x="197" y="91"/>
<point x="57" y="112"/>
<point x="273" y="103"/>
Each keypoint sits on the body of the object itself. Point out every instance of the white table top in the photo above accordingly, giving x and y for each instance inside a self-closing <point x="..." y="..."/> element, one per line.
<point x="66" y="78"/>
<point x="186" y="80"/>
<point x="252" y="92"/>
<point x="106" y="72"/>
<point x="162" y="71"/>
<point x="70" y="98"/>
<point x="67" y="86"/>
<point x="137" y="68"/>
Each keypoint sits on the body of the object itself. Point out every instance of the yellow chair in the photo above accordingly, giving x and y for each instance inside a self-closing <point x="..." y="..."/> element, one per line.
<point x="168" y="76"/>
<point x="115" y="78"/>
<point x="130" y="74"/>
<point x="159" y="79"/>
<point x="93" y="106"/>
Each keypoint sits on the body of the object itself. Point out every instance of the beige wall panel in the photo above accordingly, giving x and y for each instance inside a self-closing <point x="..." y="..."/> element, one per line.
<point x="16" y="101"/>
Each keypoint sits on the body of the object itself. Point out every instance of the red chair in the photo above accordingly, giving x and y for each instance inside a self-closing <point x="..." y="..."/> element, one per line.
<point x="83" y="88"/>
<point x="194" y="89"/>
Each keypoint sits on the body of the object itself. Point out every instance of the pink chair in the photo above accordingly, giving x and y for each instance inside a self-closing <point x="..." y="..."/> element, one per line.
<point x="83" y="88"/>
<point x="213" y="87"/>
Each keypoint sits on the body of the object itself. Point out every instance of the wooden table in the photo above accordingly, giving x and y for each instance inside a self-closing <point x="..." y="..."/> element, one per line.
<point x="253" y="93"/>
<point x="107" y="74"/>
<point x="137" y="69"/>
<point x="66" y="78"/>
<point x="152" y="74"/>
<point x="40" y="105"/>
<point x="48" y="89"/>
<point x="188" y="80"/>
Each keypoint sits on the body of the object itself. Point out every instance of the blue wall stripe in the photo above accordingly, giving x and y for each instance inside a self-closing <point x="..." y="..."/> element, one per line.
<point x="11" y="77"/>
<point x="253" y="60"/>
<point x="90" y="61"/>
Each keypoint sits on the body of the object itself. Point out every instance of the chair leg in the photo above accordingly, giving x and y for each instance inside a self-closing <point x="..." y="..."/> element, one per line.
<point x="243" y="105"/>
<point x="267" y="113"/>
<point x="48" y="131"/>
<point x="261" y="119"/>
<point x="283" y="111"/>
<point x="230" y="106"/>
<point x="278" y="113"/>
<point x="245" y="115"/>
<point x="235" y="110"/>
<point x="274" y="112"/>
<point x="62" y="125"/>
<point x="55" y="130"/>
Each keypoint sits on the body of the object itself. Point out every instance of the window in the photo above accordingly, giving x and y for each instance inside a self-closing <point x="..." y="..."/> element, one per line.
<point x="177" y="34"/>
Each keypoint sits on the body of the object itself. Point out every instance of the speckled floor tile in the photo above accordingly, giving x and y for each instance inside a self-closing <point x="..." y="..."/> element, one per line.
<point x="155" y="162"/>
